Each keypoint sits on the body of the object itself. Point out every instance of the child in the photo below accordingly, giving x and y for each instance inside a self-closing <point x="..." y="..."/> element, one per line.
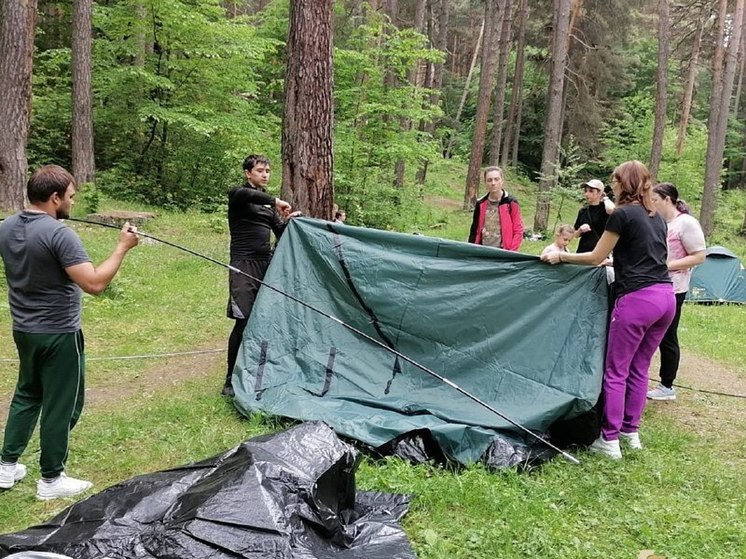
<point x="562" y="237"/>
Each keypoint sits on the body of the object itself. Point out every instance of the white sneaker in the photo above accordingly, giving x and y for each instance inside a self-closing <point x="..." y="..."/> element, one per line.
<point x="662" y="393"/>
<point x="632" y="439"/>
<point x="61" y="486"/>
<point x="10" y="474"/>
<point x="608" y="448"/>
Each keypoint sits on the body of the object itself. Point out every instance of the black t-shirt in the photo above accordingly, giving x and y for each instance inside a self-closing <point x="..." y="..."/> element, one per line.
<point x="251" y="218"/>
<point x="596" y="217"/>
<point x="641" y="252"/>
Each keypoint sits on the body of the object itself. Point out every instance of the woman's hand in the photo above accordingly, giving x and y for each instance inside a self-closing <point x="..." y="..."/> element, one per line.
<point x="552" y="257"/>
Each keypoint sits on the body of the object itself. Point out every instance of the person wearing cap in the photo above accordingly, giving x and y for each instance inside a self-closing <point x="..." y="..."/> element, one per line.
<point x="591" y="220"/>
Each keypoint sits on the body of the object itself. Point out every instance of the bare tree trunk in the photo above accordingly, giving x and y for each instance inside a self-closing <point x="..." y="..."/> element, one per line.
<point x="718" y="128"/>
<point x="736" y="165"/>
<point x="441" y="43"/>
<point x="16" y="63"/>
<point x="486" y="81"/>
<point x="84" y="167"/>
<point x="515" y="99"/>
<point x="412" y="73"/>
<point x="502" y="74"/>
<point x="447" y="152"/>
<point x="553" y="128"/>
<point x="656" y="150"/>
<point x="689" y="87"/>
<point x="307" y="116"/>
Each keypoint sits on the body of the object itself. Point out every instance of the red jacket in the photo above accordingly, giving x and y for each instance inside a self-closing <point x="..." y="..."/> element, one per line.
<point x="511" y="224"/>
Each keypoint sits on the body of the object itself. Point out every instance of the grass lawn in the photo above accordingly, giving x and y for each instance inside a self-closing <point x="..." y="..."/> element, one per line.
<point x="683" y="496"/>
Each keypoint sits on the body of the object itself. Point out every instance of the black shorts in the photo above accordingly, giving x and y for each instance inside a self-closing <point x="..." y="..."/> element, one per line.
<point x="242" y="289"/>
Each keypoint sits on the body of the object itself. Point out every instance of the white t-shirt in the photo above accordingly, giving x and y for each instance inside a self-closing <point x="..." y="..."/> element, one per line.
<point x="685" y="237"/>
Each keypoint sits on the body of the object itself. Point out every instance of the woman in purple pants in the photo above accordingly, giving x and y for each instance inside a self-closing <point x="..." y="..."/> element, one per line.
<point x="644" y="308"/>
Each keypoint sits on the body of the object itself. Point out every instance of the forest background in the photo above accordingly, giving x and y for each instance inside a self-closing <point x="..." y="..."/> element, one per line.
<point x="556" y="91"/>
<point x="182" y="90"/>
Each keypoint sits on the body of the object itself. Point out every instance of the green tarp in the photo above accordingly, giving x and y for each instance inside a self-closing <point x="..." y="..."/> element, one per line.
<point x="720" y="279"/>
<point x="526" y="337"/>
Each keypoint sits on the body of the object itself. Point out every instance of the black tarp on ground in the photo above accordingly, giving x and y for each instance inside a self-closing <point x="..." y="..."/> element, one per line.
<point x="525" y="337"/>
<point x="289" y="495"/>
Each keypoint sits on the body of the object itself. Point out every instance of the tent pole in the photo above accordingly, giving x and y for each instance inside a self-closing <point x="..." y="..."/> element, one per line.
<point x="409" y="360"/>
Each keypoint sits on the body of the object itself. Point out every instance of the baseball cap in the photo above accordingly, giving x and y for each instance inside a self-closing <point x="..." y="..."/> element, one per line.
<point x="594" y="183"/>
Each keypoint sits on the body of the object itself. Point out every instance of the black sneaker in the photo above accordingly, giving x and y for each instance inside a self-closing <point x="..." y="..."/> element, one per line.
<point x="228" y="391"/>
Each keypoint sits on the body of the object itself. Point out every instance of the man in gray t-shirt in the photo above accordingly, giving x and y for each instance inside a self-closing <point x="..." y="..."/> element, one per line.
<point x="47" y="269"/>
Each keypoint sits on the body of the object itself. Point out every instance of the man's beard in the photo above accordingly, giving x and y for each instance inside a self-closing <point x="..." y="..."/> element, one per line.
<point x="63" y="214"/>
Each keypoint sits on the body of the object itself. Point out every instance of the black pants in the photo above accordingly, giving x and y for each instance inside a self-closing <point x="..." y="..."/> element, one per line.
<point x="234" y="343"/>
<point x="670" y="350"/>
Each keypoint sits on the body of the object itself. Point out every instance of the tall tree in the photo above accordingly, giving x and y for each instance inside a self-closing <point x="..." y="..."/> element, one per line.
<point x="514" y="113"/>
<point x="436" y="73"/>
<point x="662" y="89"/>
<point x="493" y="20"/>
<point x="686" y="104"/>
<point x="467" y="83"/>
<point x="16" y="64"/>
<point x="502" y="74"/>
<point x="719" y="110"/>
<point x="82" y="91"/>
<point x="553" y="128"/>
<point x="307" y="116"/>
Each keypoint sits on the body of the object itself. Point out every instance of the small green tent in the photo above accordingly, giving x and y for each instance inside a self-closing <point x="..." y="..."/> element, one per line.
<point x="720" y="279"/>
<point x="526" y="337"/>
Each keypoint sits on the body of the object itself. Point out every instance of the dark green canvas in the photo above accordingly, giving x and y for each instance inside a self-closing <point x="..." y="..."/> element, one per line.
<point x="526" y="337"/>
<point x="720" y="279"/>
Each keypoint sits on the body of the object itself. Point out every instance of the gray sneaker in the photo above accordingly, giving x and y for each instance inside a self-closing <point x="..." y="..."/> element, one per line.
<point x="662" y="393"/>
<point x="10" y="474"/>
<point x="632" y="440"/>
<point x="607" y="448"/>
<point x="61" y="486"/>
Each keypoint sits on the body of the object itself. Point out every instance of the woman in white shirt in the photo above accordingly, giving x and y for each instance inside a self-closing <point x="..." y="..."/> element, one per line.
<point x="686" y="249"/>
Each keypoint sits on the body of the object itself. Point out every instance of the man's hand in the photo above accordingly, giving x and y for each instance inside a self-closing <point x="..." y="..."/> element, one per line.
<point x="283" y="207"/>
<point x="295" y="214"/>
<point x="128" y="237"/>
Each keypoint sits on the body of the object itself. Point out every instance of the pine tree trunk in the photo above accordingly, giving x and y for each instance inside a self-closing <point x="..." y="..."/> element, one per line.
<point x="691" y="78"/>
<point x="553" y="128"/>
<point x="515" y="99"/>
<point x="447" y="153"/>
<point x="662" y="89"/>
<point x="412" y="73"/>
<point x="82" y="93"/>
<point x="717" y="125"/>
<point x="502" y="75"/>
<point x="307" y="114"/>
<point x="486" y="81"/>
<point x="16" y="63"/>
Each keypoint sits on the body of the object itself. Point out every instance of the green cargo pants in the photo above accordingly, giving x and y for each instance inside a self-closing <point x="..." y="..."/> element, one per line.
<point x="51" y="382"/>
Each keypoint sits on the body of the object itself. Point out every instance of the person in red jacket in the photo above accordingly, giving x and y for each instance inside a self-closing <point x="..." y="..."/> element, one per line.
<point x="497" y="217"/>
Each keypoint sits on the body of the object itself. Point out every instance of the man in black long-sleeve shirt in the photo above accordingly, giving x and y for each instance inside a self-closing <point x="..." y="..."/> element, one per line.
<point x="252" y="215"/>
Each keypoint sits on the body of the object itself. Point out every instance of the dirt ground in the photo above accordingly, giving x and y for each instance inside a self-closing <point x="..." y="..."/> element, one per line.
<point x="703" y="413"/>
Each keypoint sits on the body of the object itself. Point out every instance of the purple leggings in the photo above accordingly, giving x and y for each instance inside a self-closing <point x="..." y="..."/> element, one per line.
<point x="638" y="323"/>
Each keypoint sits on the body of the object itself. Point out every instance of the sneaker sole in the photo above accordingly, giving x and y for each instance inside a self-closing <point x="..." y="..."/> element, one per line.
<point x="662" y="398"/>
<point x="66" y="496"/>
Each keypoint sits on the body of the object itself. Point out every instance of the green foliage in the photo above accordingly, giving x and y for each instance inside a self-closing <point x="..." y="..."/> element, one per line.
<point x="372" y="101"/>
<point x="178" y="88"/>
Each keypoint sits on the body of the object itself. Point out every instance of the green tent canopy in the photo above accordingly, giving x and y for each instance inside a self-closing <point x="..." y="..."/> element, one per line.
<point x="720" y="279"/>
<point x="526" y="337"/>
